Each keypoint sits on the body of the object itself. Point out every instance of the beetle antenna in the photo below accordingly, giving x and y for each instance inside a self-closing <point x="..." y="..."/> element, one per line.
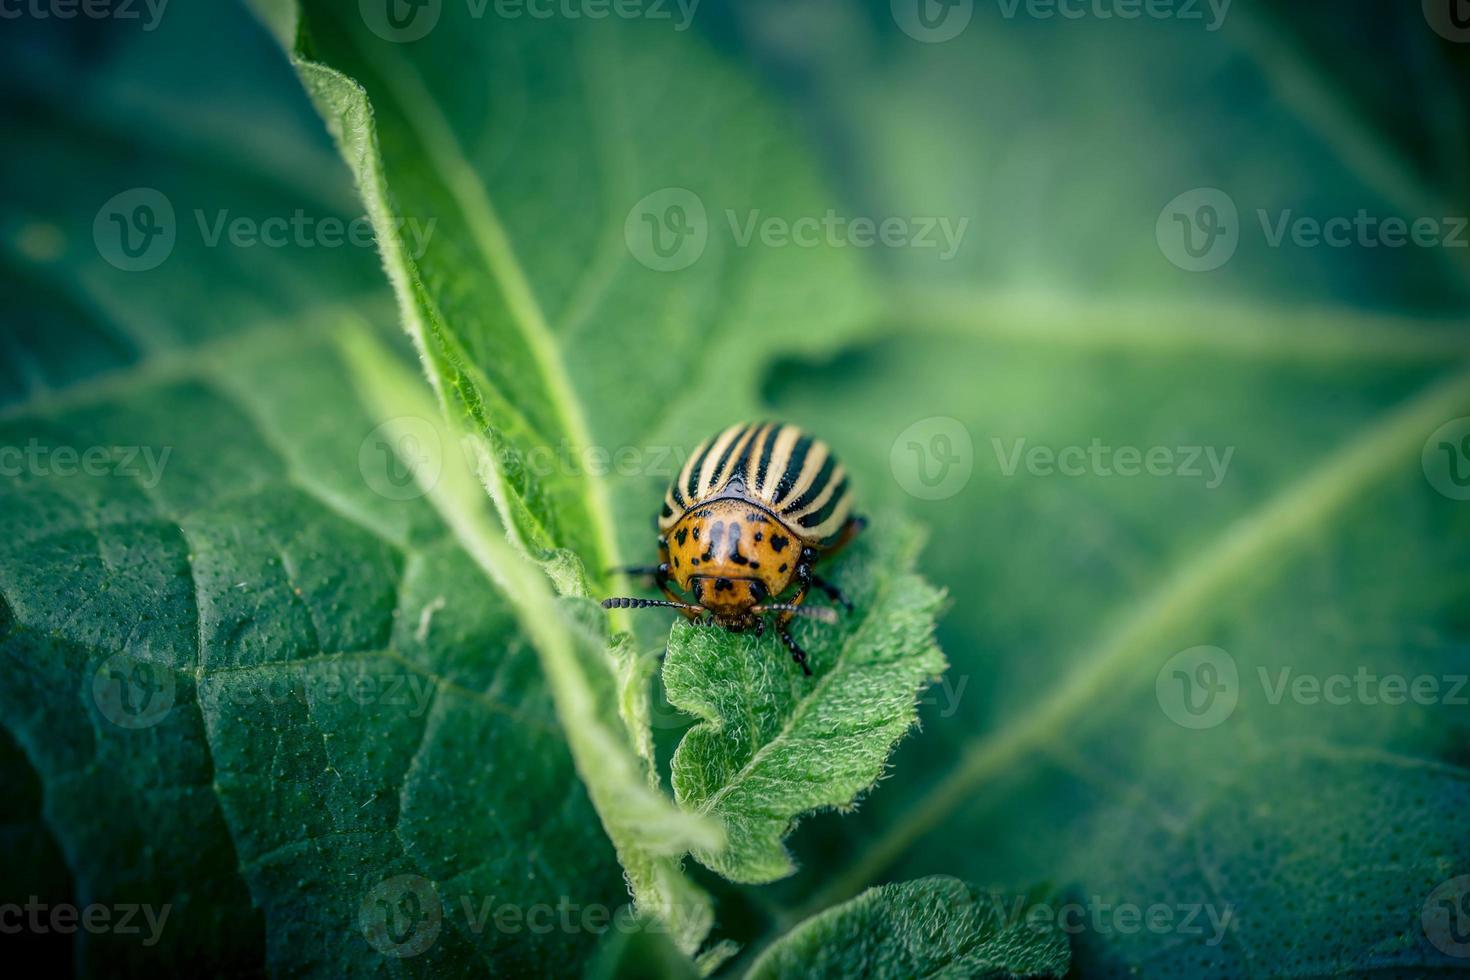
<point x="823" y="613"/>
<point x="633" y="603"/>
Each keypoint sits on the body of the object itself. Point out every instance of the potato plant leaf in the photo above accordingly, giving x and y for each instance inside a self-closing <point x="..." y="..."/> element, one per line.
<point x="930" y="927"/>
<point x="650" y="834"/>
<point x="255" y="676"/>
<point x="1323" y="551"/>
<point x="773" y="744"/>
<point x="552" y="321"/>
<point x="525" y="306"/>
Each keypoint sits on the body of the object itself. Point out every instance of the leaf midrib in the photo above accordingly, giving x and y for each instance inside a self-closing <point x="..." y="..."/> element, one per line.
<point x="812" y="696"/>
<point x="445" y="155"/>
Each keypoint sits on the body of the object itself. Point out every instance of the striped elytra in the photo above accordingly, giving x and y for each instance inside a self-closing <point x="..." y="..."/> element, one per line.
<point x="789" y="473"/>
<point x="753" y="509"/>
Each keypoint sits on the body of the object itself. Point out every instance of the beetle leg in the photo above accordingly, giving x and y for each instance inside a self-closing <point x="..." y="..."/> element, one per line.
<point x="797" y="653"/>
<point x="833" y="592"/>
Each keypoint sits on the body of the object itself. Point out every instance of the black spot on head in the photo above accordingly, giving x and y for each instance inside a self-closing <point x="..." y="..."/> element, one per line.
<point x="682" y="534"/>
<point x="723" y="585"/>
<point x="676" y="561"/>
<point x="755" y="565"/>
<point x="779" y="542"/>
<point x="756" y="517"/>
<point x="696" y="534"/>
<point x="782" y="568"/>
<point x="739" y="559"/>
<point x="759" y="536"/>
<point x="694" y="561"/>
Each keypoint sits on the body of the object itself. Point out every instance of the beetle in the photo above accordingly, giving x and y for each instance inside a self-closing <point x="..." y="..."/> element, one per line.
<point x="753" y="509"/>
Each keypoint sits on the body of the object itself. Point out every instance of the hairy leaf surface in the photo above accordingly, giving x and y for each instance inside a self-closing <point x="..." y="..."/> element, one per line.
<point x="1320" y="552"/>
<point x="258" y="685"/>
<point x="932" y="927"/>
<point x="772" y="744"/>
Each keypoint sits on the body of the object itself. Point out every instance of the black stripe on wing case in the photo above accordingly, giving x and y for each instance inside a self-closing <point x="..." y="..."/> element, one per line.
<point x="793" y="468"/>
<point x="815" y="490"/>
<point x="817" y="517"/>
<point x="765" y="456"/>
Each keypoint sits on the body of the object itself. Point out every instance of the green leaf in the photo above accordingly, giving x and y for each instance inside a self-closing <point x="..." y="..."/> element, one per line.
<point x="252" y="687"/>
<point x="640" y="951"/>
<point x="543" y="320"/>
<point x="1323" y="552"/>
<point x="931" y="927"/>
<point x="772" y="744"/>
<point x="649" y="833"/>
<point x="525" y="306"/>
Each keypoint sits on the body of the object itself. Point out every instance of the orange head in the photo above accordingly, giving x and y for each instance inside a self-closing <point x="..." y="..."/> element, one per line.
<point x="732" y="556"/>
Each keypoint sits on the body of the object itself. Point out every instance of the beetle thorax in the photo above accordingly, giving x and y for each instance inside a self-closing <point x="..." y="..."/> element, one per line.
<point x="730" y="555"/>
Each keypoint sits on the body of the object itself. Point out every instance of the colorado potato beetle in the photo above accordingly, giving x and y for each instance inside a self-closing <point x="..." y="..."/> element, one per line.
<point x="753" y="509"/>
